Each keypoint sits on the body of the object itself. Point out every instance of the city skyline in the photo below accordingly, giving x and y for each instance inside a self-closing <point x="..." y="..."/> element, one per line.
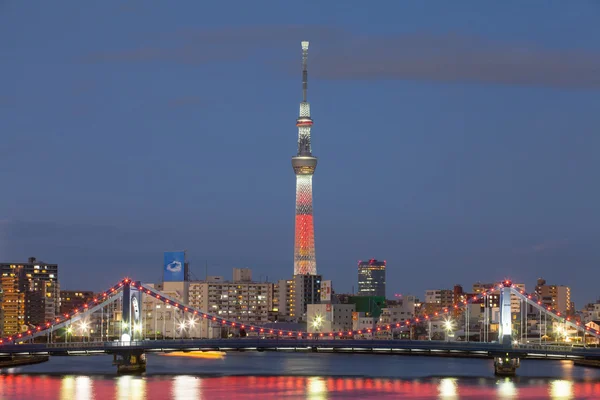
<point x="138" y="141"/>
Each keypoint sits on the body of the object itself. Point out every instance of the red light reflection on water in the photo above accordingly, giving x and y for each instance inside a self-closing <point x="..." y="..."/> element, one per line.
<point x="249" y="387"/>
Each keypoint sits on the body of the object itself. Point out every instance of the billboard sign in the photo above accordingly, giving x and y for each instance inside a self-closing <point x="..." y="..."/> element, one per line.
<point x="174" y="266"/>
<point x="325" y="291"/>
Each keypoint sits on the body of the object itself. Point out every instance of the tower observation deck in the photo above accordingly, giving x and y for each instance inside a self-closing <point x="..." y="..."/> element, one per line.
<point x="304" y="165"/>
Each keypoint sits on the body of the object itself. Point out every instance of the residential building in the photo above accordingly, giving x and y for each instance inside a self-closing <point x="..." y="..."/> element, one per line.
<point x="371" y="278"/>
<point x="72" y="299"/>
<point x="244" y="302"/>
<point x="329" y="317"/>
<point x="242" y="275"/>
<point x="402" y="311"/>
<point x="13" y="306"/>
<point x="436" y="299"/>
<point x="306" y="290"/>
<point x="285" y="300"/>
<point x="433" y="296"/>
<point x="38" y="283"/>
<point x="555" y="296"/>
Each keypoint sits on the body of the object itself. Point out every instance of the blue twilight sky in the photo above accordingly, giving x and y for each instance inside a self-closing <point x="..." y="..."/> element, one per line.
<point x="457" y="140"/>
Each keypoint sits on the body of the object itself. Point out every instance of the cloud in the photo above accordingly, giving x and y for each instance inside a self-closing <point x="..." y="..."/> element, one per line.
<point x="346" y="55"/>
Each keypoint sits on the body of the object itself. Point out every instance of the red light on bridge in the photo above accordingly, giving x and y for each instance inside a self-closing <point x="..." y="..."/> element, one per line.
<point x="224" y="322"/>
<point x="167" y="301"/>
<point x="214" y="318"/>
<point x="176" y="305"/>
<point x="29" y="332"/>
<point x="280" y="333"/>
<point x="340" y="334"/>
<point x="185" y="309"/>
<point x="350" y="333"/>
<point x="242" y="326"/>
<point x="289" y="333"/>
<point x="360" y="332"/>
<point x="251" y="328"/>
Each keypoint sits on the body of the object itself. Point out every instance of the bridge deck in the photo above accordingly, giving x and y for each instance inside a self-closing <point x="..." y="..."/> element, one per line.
<point x="458" y="349"/>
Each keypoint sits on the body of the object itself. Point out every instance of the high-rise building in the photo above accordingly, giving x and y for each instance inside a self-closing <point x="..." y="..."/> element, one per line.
<point x="554" y="296"/>
<point x="371" y="278"/>
<point x="13" y="306"/>
<point x="304" y="165"/>
<point x="35" y="283"/>
<point x="306" y="290"/>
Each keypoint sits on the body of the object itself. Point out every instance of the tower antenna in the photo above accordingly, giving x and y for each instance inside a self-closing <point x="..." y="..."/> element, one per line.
<point x="304" y="70"/>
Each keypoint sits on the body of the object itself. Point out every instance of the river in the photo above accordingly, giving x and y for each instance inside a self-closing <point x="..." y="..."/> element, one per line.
<point x="298" y="376"/>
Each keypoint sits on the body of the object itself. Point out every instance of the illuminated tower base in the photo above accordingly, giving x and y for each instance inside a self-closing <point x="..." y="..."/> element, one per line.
<point x="304" y="246"/>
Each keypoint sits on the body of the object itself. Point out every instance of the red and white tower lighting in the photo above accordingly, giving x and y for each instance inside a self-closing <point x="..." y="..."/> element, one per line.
<point x="304" y="166"/>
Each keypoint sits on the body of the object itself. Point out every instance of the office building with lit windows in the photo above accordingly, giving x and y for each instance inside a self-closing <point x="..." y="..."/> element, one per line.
<point x="31" y="294"/>
<point x="371" y="278"/>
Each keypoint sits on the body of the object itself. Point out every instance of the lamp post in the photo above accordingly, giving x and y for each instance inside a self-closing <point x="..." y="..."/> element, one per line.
<point x="448" y="326"/>
<point x="317" y="323"/>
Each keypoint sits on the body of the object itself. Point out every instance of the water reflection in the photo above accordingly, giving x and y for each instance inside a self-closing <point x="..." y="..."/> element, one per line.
<point x="507" y="389"/>
<point x="273" y="387"/>
<point x="561" y="389"/>
<point x="316" y="388"/>
<point x="448" y="388"/>
<point x="130" y="388"/>
<point x="186" y="387"/>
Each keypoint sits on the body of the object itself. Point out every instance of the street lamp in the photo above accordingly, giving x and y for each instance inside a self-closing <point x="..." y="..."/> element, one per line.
<point x="69" y="331"/>
<point x="448" y="325"/>
<point x="317" y="323"/>
<point x="84" y="328"/>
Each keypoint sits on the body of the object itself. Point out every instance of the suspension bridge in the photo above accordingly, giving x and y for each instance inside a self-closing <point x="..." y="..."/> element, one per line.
<point x="129" y="352"/>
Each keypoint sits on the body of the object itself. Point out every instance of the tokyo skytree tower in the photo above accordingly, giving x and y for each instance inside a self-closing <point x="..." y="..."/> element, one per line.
<point x="304" y="165"/>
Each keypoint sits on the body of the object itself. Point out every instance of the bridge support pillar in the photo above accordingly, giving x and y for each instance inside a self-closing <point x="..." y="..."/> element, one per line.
<point x="130" y="362"/>
<point x="506" y="365"/>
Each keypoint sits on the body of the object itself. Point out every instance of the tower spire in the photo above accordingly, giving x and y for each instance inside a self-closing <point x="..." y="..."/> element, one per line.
<point x="304" y="70"/>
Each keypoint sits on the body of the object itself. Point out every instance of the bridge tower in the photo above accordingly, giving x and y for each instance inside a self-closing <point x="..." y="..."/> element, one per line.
<point x="505" y="334"/>
<point x="130" y="360"/>
<point x="507" y="363"/>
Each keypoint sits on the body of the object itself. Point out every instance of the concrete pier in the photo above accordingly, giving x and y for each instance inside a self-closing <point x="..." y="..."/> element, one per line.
<point x="130" y="362"/>
<point x="506" y="365"/>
